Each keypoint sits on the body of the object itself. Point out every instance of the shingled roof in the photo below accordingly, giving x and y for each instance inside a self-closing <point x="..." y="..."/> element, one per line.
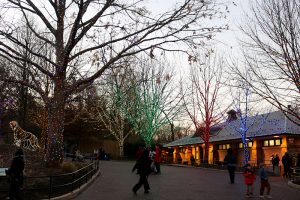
<point x="274" y="123"/>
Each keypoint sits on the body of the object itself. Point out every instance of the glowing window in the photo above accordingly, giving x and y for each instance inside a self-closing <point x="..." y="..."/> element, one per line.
<point x="224" y="146"/>
<point x="266" y="143"/>
<point x="277" y="142"/>
<point x="250" y="144"/>
<point x="227" y="146"/>
<point x="271" y="142"/>
<point x="240" y="145"/>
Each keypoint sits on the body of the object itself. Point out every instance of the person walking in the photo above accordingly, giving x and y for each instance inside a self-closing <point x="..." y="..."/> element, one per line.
<point x="249" y="179"/>
<point x="264" y="182"/>
<point x="143" y="165"/>
<point x="157" y="159"/>
<point x="15" y="173"/>
<point x="230" y="161"/>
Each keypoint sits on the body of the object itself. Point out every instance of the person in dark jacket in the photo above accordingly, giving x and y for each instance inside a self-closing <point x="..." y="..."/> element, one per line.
<point x="230" y="160"/>
<point x="15" y="173"/>
<point x="287" y="163"/>
<point x="275" y="163"/>
<point x="143" y="165"/>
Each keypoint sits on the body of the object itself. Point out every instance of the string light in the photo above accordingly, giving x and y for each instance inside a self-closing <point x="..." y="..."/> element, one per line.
<point x="144" y="106"/>
<point x="5" y="104"/>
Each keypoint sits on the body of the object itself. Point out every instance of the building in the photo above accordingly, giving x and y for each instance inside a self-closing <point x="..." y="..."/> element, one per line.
<point x="267" y="135"/>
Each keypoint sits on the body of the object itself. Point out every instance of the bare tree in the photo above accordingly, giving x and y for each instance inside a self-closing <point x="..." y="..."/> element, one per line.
<point x="92" y="34"/>
<point x="201" y="102"/>
<point x="273" y="54"/>
<point x="7" y="95"/>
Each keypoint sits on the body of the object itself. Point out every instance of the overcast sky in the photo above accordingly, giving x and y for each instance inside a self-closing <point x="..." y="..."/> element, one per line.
<point x="227" y="40"/>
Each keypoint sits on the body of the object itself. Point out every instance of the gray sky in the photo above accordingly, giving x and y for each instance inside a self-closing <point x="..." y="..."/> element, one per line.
<point x="227" y="40"/>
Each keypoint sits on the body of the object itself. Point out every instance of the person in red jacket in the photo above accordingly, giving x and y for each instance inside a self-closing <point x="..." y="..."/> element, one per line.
<point x="157" y="159"/>
<point x="249" y="179"/>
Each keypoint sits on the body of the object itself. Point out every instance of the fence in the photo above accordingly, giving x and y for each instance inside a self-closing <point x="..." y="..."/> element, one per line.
<point x="46" y="187"/>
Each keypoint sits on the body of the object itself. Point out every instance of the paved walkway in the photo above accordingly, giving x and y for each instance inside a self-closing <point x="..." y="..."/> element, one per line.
<point x="177" y="183"/>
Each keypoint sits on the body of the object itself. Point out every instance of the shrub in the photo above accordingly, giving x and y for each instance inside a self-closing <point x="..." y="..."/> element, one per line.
<point x="68" y="167"/>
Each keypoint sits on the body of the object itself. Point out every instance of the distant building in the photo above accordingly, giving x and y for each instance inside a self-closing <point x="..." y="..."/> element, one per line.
<point x="271" y="133"/>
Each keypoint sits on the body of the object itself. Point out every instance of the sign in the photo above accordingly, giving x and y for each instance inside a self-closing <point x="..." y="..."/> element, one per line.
<point x="2" y="171"/>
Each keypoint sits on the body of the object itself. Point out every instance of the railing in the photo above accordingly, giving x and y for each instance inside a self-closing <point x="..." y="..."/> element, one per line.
<point x="46" y="187"/>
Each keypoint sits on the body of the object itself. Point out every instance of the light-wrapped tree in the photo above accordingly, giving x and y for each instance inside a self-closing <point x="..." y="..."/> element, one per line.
<point x="87" y="37"/>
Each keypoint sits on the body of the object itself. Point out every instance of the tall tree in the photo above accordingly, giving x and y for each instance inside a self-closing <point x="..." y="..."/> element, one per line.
<point x="244" y="119"/>
<point x="7" y="95"/>
<point x="110" y="106"/>
<point x="273" y="52"/>
<point x="151" y="100"/>
<point x="93" y="34"/>
<point x="201" y="102"/>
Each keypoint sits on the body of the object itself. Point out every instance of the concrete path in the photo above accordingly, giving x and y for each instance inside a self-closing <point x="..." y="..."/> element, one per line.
<point x="177" y="183"/>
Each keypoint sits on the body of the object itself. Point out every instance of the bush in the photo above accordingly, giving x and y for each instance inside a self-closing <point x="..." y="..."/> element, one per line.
<point x="68" y="167"/>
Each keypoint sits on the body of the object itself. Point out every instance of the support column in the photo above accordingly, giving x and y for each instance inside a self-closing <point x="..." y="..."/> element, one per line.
<point x="175" y="154"/>
<point x="210" y="154"/>
<point x="253" y="155"/>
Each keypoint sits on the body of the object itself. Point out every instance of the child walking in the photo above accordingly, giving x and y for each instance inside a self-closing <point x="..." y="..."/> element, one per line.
<point x="249" y="179"/>
<point x="264" y="182"/>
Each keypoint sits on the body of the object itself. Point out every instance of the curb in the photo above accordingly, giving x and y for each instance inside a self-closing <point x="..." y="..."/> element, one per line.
<point x="293" y="185"/>
<point x="76" y="192"/>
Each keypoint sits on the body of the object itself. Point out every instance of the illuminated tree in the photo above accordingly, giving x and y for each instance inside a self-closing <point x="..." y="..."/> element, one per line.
<point x="151" y="100"/>
<point x="201" y="100"/>
<point x="78" y="40"/>
<point x="272" y="52"/>
<point x="39" y="117"/>
<point x="244" y="119"/>
<point x="110" y="108"/>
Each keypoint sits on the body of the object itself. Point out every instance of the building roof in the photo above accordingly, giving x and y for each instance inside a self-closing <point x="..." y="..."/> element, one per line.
<point x="274" y="123"/>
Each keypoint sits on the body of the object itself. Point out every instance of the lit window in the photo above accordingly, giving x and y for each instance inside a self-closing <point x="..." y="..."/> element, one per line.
<point x="224" y="146"/>
<point x="197" y="148"/>
<point x="271" y="142"/>
<point x="220" y="146"/>
<point x="240" y="145"/>
<point x="227" y="146"/>
<point x="277" y="142"/>
<point x="266" y="143"/>
<point x="250" y="144"/>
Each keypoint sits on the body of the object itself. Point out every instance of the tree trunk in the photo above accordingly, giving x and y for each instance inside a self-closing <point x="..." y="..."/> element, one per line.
<point x="205" y="160"/>
<point x="54" y="149"/>
<point x="172" y="131"/>
<point x="121" y="148"/>
<point x="1" y="119"/>
<point x="206" y="142"/>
